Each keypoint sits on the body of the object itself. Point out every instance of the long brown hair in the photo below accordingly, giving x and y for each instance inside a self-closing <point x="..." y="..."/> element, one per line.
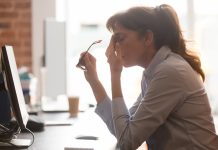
<point x="164" y="23"/>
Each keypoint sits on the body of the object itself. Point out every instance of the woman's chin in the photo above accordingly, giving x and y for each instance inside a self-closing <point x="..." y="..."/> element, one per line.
<point x="126" y="65"/>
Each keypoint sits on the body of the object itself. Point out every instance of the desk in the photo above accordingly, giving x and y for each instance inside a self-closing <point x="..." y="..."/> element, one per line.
<point x="58" y="137"/>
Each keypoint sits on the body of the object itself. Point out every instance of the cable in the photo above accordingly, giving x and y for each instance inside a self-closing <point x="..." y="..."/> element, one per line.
<point x="33" y="136"/>
<point x="3" y="128"/>
<point x="7" y="135"/>
<point x="32" y="141"/>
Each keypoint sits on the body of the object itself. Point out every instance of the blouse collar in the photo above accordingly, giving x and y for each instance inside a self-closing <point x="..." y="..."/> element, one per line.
<point x="159" y="57"/>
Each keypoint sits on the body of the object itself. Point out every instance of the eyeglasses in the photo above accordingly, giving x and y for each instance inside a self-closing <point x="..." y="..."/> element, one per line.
<point x="80" y="64"/>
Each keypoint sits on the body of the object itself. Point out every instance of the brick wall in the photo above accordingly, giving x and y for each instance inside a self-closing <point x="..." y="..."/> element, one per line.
<point x="15" y="29"/>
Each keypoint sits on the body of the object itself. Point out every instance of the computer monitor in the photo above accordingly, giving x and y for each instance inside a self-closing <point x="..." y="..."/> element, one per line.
<point x="13" y="87"/>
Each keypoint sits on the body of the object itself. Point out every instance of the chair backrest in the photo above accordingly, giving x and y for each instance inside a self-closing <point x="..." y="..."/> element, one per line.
<point x="5" y="111"/>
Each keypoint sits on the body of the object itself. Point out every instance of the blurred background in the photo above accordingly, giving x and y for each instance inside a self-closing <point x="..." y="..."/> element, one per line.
<point x="49" y="35"/>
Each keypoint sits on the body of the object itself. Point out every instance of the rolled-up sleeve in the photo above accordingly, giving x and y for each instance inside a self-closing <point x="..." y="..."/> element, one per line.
<point x="103" y="109"/>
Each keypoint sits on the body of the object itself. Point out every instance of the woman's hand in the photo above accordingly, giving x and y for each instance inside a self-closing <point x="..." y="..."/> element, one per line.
<point x="114" y="57"/>
<point x="90" y="68"/>
<point x="116" y="67"/>
<point x="89" y="62"/>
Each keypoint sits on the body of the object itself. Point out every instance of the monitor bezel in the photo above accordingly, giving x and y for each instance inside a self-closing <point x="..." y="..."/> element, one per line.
<point x="13" y="86"/>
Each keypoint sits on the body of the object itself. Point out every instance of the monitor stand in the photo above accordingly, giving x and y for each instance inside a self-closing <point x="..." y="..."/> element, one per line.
<point x="18" y="143"/>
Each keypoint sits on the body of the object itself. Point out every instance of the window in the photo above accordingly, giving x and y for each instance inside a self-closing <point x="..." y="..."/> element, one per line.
<point x="206" y="35"/>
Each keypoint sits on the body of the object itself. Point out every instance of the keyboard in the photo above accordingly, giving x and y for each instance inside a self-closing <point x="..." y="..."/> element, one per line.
<point x="54" y="105"/>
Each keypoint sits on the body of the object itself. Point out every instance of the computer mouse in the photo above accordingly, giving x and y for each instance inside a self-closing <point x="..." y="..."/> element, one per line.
<point x="86" y="137"/>
<point x="35" y="123"/>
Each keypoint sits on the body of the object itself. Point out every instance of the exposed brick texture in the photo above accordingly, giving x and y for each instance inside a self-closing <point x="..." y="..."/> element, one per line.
<point x="15" y="29"/>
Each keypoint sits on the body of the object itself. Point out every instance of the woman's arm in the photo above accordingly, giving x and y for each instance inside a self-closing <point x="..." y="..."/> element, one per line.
<point x="103" y="108"/>
<point x="114" y="59"/>
<point x="92" y="78"/>
<point x="98" y="91"/>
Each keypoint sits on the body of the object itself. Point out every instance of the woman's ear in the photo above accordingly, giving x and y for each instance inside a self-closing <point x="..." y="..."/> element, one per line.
<point x="149" y="37"/>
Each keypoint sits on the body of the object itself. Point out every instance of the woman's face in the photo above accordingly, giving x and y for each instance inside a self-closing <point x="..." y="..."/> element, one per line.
<point x="131" y="45"/>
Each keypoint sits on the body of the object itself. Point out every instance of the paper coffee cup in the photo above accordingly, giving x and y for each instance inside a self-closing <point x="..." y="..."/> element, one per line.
<point x="73" y="105"/>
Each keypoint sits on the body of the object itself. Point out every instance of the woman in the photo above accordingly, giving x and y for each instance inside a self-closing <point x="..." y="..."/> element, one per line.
<point x="172" y="111"/>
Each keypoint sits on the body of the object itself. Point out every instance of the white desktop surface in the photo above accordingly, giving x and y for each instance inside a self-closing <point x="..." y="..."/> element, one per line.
<point x="91" y="124"/>
<point x="61" y="137"/>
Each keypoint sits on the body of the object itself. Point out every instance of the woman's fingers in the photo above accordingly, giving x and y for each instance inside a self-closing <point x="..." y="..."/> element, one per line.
<point x="89" y="61"/>
<point x="110" y="47"/>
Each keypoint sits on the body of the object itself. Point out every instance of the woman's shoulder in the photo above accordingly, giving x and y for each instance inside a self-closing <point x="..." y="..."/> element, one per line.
<point x="178" y="69"/>
<point x="174" y="66"/>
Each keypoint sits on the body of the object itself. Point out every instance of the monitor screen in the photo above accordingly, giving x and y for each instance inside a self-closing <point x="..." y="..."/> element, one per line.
<point x="13" y="85"/>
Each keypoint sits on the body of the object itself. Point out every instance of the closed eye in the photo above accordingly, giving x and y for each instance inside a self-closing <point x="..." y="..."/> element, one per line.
<point x="119" y="38"/>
